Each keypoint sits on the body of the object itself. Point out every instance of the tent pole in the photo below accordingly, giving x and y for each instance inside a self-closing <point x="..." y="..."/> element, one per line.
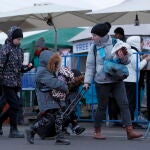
<point x="50" y="23"/>
<point x="55" y="40"/>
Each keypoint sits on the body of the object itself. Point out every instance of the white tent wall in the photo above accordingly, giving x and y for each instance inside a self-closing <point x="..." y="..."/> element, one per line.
<point x="82" y="40"/>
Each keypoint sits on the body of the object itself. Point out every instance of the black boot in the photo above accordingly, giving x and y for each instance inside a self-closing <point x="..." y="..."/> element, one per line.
<point x="1" y="131"/>
<point x="61" y="140"/>
<point x="37" y="126"/>
<point x="14" y="133"/>
<point x="3" y="117"/>
<point x="30" y="133"/>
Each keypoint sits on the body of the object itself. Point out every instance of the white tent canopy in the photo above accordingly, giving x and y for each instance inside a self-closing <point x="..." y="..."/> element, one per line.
<point x="44" y="16"/>
<point x="125" y="12"/>
<point x="143" y="29"/>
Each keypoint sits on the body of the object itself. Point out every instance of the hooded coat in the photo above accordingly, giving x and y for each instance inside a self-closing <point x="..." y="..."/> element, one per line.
<point x="10" y="72"/>
<point x="47" y="76"/>
<point x="134" y="41"/>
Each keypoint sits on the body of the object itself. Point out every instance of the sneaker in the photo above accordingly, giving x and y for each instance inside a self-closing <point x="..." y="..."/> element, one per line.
<point x="78" y="130"/>
<point x="61" y="140"/>
<point x="30" y="135"/>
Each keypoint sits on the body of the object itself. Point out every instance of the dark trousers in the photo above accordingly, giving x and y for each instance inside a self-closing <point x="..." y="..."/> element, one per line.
<point x="13" y="100"/>
<point x="49" y="123"/>
<point x="119" y="92"/>
<point x="113" y="109"/>
<point x="141" y="86"/>
<point x="131" y="94"/>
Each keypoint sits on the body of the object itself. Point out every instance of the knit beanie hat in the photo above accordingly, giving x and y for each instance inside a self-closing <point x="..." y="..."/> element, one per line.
<point x="101" y="29"/>
<point x="40" y="42"/>
<point x="17" y="34"/>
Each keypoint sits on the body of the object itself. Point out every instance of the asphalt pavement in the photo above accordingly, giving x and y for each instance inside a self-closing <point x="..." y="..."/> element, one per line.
<point x="116" y="140"/>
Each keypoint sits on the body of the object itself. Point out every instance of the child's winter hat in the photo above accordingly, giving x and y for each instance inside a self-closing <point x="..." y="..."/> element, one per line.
<point x="101" y="29"/>
<point x="120" y="44"/>
<point x="40" y="42"/>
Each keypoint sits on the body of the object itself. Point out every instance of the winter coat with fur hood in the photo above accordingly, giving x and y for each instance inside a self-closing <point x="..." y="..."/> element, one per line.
<point x="46" y="76"/>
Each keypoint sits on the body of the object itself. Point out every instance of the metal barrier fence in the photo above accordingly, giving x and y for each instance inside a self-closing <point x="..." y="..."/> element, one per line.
<point x="28" y="80"/>
<point x="84" y="112"/>
<point x="91" y="92"/>
<point x="28" y="86"/>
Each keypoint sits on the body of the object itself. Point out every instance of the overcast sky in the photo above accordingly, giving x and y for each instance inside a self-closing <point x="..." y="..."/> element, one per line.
<point x="94" y="5"/>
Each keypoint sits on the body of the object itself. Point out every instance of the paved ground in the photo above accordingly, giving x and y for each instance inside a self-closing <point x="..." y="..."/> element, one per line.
<point x="116" y="140"/>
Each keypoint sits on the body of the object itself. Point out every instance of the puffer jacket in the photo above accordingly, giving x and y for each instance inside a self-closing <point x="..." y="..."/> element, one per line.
<point x="46" y="76"/>
<point x="95" y="70"/>
<point x="10" y="73"/>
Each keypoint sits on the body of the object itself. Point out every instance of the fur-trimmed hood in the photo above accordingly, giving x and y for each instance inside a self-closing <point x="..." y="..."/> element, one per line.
<point x="50" y="60"/>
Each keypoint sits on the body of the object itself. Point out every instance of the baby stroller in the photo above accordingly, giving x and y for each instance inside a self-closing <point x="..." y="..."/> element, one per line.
<point x="48" y="129"/>
<point x="47" y="120"/>
<point x="45" y="125"/>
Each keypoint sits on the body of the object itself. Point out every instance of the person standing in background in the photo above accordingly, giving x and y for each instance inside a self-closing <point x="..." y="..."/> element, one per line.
<point x="130" y="83"/>
<point x="11" y="69"/>
<point x="119" y="34"/>
<point x="39" y="47"/>
<point x="113" y="108"/>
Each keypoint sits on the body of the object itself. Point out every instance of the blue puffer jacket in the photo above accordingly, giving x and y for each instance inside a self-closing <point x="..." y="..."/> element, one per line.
<point x="10" y="73"/>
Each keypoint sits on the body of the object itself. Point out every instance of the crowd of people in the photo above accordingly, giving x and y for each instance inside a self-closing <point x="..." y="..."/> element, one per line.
<point x="57" y="86"/>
